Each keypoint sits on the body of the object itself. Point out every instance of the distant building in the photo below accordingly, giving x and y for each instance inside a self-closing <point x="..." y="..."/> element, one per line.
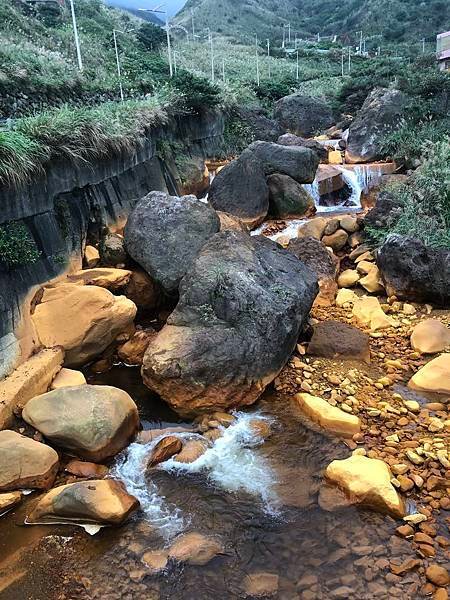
<point x="443" y="51"/>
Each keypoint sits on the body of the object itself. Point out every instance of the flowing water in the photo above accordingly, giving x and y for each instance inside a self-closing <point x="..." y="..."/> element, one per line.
<point x="260" y="498"/>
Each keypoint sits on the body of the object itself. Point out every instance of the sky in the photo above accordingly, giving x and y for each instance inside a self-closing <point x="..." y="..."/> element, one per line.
<point x="173" y="6"/>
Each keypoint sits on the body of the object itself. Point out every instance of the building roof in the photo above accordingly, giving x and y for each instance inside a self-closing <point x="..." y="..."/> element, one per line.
<point x="445" y="34"/>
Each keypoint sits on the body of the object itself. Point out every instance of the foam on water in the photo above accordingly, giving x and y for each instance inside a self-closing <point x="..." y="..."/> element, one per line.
<point x="131" y="469"/>
<point x="233" y="464"/>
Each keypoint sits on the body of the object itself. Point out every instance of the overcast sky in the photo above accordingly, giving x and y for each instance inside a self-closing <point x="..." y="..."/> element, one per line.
<point x="173" y="6"/>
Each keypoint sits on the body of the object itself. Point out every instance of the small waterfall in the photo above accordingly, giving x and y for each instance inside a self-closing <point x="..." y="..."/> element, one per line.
<point x="352" y="180"/>
<point x="368" y="176"/>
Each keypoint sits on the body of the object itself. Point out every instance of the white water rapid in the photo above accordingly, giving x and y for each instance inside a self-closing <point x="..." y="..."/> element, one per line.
<point x="231" y="463"/>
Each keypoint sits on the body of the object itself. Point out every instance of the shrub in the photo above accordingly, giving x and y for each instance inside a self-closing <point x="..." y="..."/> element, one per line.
<point x="424" y="201"/>
<point x="151" y="36"/>
<point x="17" y="247"/>
<point x="197" y="92"/>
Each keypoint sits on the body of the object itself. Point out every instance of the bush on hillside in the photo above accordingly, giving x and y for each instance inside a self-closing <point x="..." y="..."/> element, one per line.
<point x="424" y="201"/>
<point x="271" y="90"/>
<point x="197" y="92"/>
<point x="151" y="36"/>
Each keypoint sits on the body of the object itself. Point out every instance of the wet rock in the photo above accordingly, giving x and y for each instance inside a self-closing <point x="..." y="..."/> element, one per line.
<point x="112" y="250"/>
<point x="240" y="189"/>
<point x="86" y="469"/>
<point x="321" y="261"/>
<point x="299" y="163"/>
<point x="84" y="320"/>
<point x="133" y="351"/>
<point x="191" y="451"/>
<point x="332" y="226"/>
<point x="288" y="198"/>
<point x="408" y="565"/>
<point x="348" y="278"/>
<point x="331" y="418"/>
<point x="381" y="113"/>
<point x="430" y="336"/>
<point x="31" y="378"/>
<point x="94" y="422"/>
<point x="349" y="223"/>
<point x="67" y="378"/>
<point x="259" y="585"/>
<point x="9" y="500"/>
<point x="180" y="226"/>
<point x="108" y="278"/>
<point x="261" y="428"/>
<point x="368" y="312"/>
<point x="437" y="575"/>
<point x="412" y="271"/>
<point x="366" y="481"/>
<point x="303" y="115"/>
<point x="216" y="351"/>
<point x="103" y="502"/>
<point x="337" y="240"/>
<point x="440" y="594"/>
<point x="195" y="549"/>
<point x="434" y="376"/>
<point x="165" y="449"/>
<point x="333" y="339"/>
<point x="156" y="561"/>
<point x="289" y="139"/>
<point x="230" y="222"/>
<point x="143" y="291"/>
<point x="25" y="463"/>
<point x="314" y="228"/>
<point x="91" y="257"/>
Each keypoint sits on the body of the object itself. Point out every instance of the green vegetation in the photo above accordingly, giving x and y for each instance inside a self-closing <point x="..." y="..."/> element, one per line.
<point x="17" y="247"/>
<point x="424" y="201"/>
<point x="81" y="134"/>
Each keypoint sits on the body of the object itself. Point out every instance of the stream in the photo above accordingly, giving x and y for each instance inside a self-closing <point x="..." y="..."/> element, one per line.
<point x="259" y="499"/>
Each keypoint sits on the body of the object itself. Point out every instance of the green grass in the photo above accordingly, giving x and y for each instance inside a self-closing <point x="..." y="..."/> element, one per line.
<point x="81" y="134"/>
<point x="17" y="247"/>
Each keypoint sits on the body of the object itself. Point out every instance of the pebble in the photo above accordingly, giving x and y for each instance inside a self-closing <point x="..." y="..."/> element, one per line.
<point x="437" y="575"/>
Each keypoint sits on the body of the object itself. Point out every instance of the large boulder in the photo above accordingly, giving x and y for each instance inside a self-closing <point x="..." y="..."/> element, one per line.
<point x="25" y="463"/>
<point x="240" y="189"/>
<point x="380" y="114"/>
<point x="413" y="271"/>
<point x="325" y="265"/>
<point x="295" y="161"/>
<point x="288" y="198"/>
<point x="237" y="322"/>
<point x="289" y="139"/>
<point x="334" y="339"/>
<point x="97" y="502"/>
<point x="93" y="422"/>
<point x="84" y="320"/>
<point x="261" y="127"/>
<point x="106" y="277"/>
<point x="430" y="336"/>
<point x="433" y="377"/>
<point x="165" y="233"/>
<point x="303" y="115"/>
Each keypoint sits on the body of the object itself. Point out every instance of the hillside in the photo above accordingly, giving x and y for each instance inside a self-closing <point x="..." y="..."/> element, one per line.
<point x="382" y="22"/>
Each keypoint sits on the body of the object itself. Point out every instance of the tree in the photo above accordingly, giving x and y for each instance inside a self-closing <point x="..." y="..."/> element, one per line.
<point x="151" y="36"/>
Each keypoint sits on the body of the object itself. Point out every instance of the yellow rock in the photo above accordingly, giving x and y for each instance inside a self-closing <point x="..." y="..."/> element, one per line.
<point x="348" y="278"/>
<point x="313" y="228"/>
<point x="434" y="376"/>
<point x="84" y="320"/>
<point x="372" y="281"/>
<point x="430" y="336"/>
<point x="345" y="296"/>
<point x="30" y="379"/>
<point x="408" y="309"/>
<point x="108" y="278"/>
<point x="335" y="157"/>
<point x="91" y="257"/>
<point x="366" y="256"/>
<point x="368" y="312"/>
<point x="366" y="481"/>
<point x="68" y="378"/>
<point x="9" y="500"/>
<point x="332" y="419"/>
<point x="364" y="267"/>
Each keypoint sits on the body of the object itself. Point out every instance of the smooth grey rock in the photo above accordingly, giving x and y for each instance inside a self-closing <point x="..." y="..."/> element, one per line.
<point x="303" y="115"/>
<point x="299" y="163"/>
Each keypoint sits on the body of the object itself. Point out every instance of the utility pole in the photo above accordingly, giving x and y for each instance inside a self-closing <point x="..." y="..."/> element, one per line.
<point x="118" y="65"/>
<point x="193" y="24"/>
<point x="211" y="45"/>
<point x="169" y="43"/>
<point x="360" y="42"/>
<point x="298" y="67"/>
<point x="284" y="37"/>
<point x="423" y="45"/>
<point x="257" y="62"/>
<point x="318" y="38"/>
<point x="223" y="70"/>
<point x="268" y="58"/>
<point x="349" y="59"/>
<point x="75" y="32"/>
<point x="289" y="32"/>
<point x="342" y="63"/>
